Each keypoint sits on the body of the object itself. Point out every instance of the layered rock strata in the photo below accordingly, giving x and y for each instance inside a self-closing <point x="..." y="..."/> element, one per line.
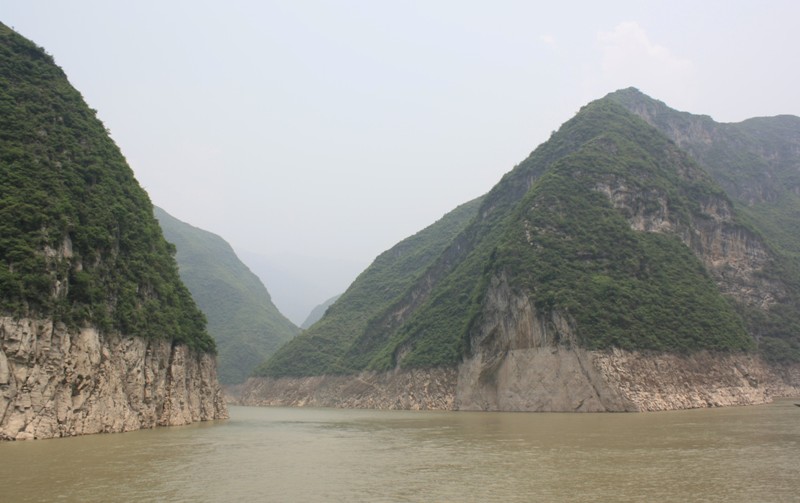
<point x="55" y="382"/>
<point x="430" y="389"/>
<point x="552" y="379"/>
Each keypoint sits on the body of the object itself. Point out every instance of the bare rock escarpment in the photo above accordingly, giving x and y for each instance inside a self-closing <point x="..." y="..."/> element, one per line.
<point x="546" y="379"/>
<point x="428" y="389"/>
<point x="55" y="382"/>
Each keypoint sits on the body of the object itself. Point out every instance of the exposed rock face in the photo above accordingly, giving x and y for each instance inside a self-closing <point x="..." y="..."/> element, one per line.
<point x="735" y="256"/>
<point x="669" y="381"/>
<point x="56" y="383"/>
<point x="523" y="360"/>
<point x="407" y="389"/>
<point x="547" y="379"/>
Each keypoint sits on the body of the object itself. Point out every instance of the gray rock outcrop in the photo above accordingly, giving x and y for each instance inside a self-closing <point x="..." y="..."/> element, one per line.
<point x="55" y="382"/>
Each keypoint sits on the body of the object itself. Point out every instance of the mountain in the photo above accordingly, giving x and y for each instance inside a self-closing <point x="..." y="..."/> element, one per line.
<point x="608" y="253"/>
<point x="244" y="322"/>
<point x="98" y="332"/>
<point x="318" y="312"/>
<point x="757" y="162"/>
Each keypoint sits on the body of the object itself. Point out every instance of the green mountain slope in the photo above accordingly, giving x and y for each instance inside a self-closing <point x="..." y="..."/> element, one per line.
<point x="569" y="250"/>
<point x="78" y="239"/>
<point x="757" y="162"/>
<point x="607" y="225"/>
<point x="325" y="346"/>
<point x="244" y="322"/>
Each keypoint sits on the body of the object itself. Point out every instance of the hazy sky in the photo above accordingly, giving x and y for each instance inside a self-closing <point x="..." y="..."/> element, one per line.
<point x="320" y="133"/>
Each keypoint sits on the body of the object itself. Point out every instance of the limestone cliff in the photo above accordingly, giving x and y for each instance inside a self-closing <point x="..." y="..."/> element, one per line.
<point x="429" y="389"/>
<point x="547" y="379"/>
<point x="55" y="382"/>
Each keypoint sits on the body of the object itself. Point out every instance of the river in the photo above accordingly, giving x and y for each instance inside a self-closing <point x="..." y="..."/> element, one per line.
<point x="742" y="454"/>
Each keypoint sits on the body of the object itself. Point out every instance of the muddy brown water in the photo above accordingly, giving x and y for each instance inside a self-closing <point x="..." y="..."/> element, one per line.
<point x="306" y="455"/>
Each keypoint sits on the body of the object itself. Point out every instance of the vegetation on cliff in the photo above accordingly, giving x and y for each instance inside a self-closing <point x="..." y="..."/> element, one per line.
<point x="756" y="162"/>
<point x="549" y="228"/>
<point x="574" y="252"/>
<point x="568" y="249"/>
<point x="78" y="239"/>
<point x="244" y="322"/>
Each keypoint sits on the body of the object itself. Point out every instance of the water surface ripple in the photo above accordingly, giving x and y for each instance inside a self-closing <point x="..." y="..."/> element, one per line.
<point x="307" y="455"/>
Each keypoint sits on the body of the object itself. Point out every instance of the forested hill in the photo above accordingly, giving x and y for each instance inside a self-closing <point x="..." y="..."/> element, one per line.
<point x="78" y="238"/>
<point x="757" y="162"/>
<point x="245" y="323"/>
<point x="615" y="238"/>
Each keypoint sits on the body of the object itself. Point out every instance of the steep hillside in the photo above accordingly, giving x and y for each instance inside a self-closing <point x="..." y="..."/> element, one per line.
<point x="607" y="238"/>
<point x="244" y="322"/>
<point x="82" y="256"/>
<point x="757" y="162"/>
<point x="574" y="246"/>
<point x="326" y="347"/>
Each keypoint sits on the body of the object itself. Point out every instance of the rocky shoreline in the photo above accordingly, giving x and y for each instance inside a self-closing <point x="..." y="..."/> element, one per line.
<point x="55" y="382"/>
<point x="553" y="379"/>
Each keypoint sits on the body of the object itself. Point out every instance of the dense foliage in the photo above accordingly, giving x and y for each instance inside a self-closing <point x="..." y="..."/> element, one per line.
<point x="560" y="242"/>
<point x="623" y="288"/>
<point x="78" y="241"/>
<point x="244" y="322"/>
<point x="757" y="162"/>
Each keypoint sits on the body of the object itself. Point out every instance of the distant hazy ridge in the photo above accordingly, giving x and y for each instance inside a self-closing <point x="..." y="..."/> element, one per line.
<point x="241" y="317"/>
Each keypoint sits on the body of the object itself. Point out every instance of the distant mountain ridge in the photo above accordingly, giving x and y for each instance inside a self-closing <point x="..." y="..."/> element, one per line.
<point x="245" y="323"/>
<point x="318" y="312"/>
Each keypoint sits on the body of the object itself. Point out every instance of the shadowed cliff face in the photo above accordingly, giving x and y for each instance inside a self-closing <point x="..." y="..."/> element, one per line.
<point x="56" y="383"/>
